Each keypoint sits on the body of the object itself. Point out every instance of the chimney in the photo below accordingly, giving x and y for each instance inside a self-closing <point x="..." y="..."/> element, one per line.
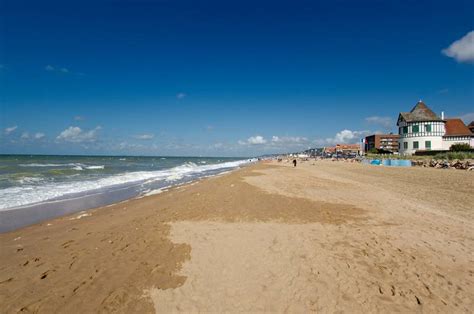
<point x="442" y="115"/>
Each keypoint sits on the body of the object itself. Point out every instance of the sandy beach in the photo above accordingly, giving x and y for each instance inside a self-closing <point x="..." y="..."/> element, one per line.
<point x="324" y="237"/>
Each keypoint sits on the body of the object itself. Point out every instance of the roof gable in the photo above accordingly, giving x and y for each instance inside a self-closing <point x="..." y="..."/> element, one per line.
<point x="403" y="116"/>
<point x="421" y="112"/>
<point x="455" y="127"/>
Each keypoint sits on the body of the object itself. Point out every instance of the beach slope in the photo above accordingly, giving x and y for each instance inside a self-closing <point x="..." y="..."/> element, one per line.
<point x="324" y="236"/>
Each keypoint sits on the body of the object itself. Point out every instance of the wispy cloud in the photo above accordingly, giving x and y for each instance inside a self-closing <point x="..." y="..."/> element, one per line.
<point x="254" y="140"/>
<point x="10" y="129"/>
<point x="180" y="95"/>
<point x="144" y="136"/>
<point x="79" y="118"/>
<point x="386" y="122"/>
<point x="443" y="91"/>
<point x="25" y="136"/>
<point x="51" y="68"/>
<point x="289" y="140"/>
<point x="75" y="134"/>
<point x="462" y="50"/>
<point x="283" y="143"/>
<point x="346" y="137"/>
<point x="2" y="67"/>
<point x="39" y="135"/>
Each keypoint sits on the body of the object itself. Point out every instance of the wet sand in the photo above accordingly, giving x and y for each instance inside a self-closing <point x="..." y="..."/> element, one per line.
<point x="325" y="236"/>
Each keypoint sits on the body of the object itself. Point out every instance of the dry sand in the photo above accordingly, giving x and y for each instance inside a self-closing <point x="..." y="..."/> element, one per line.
<point x="325" y="237"/>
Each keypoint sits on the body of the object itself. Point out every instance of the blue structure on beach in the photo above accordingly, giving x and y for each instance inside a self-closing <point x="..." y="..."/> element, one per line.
<point x="388" y="162"/>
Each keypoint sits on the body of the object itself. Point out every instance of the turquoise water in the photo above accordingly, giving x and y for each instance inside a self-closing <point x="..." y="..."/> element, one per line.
<point x="27" y="180"/>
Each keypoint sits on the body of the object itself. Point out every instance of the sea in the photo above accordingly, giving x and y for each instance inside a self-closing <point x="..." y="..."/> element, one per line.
<point x="34" y="188"/>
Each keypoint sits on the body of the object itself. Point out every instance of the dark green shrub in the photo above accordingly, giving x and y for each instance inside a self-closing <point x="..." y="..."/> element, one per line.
<point x="460" y="147"/>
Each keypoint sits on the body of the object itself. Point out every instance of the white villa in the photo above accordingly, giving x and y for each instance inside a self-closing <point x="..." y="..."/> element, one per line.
<point x="421" y="129"/>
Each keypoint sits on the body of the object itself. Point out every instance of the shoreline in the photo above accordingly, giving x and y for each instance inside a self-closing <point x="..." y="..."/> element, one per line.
<point x="15" y="218"/>
<point x="329" y="236"/>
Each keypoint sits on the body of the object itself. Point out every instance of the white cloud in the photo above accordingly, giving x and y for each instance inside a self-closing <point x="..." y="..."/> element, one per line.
<point x="386" y="122"/>
<point x="10" y="129"/>
<point x="75" y="134"/>
<point x="462" y="50"/>
<point x="39" y="135"/>
<point x="468" y="117"/>
<point x="275" y="142"/>
<point x="289" y="140"/>
<point x="180" y="95"/>
<point x="144" y="136"/>
<point x="256" y="140"/>
<point x="347" y="136"/>
<point x="79" y="118"/>
<point x="25" y="136"/>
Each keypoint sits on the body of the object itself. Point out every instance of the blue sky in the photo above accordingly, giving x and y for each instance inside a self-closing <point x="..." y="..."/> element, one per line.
<point x="224" y="78"/>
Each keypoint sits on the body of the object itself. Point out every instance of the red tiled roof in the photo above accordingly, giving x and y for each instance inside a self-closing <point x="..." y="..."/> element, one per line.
<point x="348" y="146"/>
<point x="455" y="127"/>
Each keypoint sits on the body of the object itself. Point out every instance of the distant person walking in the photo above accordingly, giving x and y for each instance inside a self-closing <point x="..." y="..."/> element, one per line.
<point x="294" y="162"/>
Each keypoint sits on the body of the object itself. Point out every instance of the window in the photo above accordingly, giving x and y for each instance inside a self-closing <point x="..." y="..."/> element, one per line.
<point x="405" y="130"/>
<point x="415" y="128"/>
<point x="415" y="145"/>
<point x="428" y="145"/>
<point x="405" y="145"/>
<point x="398" y="145"/>
<point x="427" y="127"/>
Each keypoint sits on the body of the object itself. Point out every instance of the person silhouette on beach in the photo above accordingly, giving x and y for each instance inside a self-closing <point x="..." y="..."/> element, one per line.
<point x="294" y="162"/>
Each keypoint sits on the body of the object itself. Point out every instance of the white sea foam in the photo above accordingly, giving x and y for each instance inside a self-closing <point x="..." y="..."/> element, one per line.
<point x="74" y="166"/>
<point x="29" y="180"/>
<point x="18" y="196"/>
<point x="154" y="192"/>
<point x="42" y="165"/>
<point x="95" y="167"/>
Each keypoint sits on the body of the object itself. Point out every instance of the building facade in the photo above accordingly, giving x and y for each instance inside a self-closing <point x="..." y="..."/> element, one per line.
<point x="343" y="149"/>
<point x="471" y="126"/>
<point x="421" y="129"/>
<point x="384" y="142"/>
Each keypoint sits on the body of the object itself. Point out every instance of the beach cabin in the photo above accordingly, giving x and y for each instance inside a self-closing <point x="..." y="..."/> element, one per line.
<point x="421" y="129"/>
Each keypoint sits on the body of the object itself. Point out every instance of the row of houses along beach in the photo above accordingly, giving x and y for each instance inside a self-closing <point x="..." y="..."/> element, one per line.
<point x="423" y="137"/>
<point x="420" y="132"/>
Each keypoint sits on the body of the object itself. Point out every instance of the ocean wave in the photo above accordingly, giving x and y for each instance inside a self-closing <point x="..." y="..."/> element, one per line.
<point x="75" y="166"/>
<point x="42" y="165"/>
<point x="29" y="180"/>
<point x="81" y="167"/>
<point x="95" y="167"/>
<point x="24" y="195"/>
